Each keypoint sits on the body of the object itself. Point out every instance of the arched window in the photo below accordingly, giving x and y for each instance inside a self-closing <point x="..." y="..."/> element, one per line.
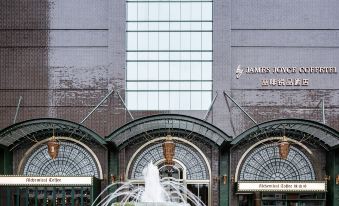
<point x="72" y="160"/>
<point x="191" y="167"/>
<point x="194" y="164"/>
<point x="264" y="163"/>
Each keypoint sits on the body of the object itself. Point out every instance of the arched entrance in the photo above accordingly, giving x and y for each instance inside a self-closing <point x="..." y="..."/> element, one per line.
<point x="191" y="166"/>
<point x="263" y="177"/>
<point x="197" y="150"/>
<point x="72" y="178"/>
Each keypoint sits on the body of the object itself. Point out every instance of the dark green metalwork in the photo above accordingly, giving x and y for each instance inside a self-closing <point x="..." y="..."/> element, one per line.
<point x="223" y="170"/>
<point x="72" y="195"/>
<point x="36" y="197"/>
<point x="17" y="196"/>
<point x="165" y="122"/>
<point x="8" y="196"/>
<point x="45" y="196"/>
<point x="82" y="196"/>
<point x="6" y="161"/>
<point x="26" y="196"/>
<point x="53" y="196"/>
<point x="38" y="129"/>
<point x="320" y="133"/>
<point x="63" y="196"/>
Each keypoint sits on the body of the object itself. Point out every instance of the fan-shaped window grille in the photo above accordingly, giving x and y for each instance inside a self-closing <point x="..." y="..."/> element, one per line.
<point x="264" y="163"/>
<point x="196" y="169"/>
<point x="72" y="160"/>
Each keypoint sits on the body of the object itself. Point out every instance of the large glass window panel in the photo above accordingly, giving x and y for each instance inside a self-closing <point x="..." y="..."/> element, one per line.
<point x="132" y="85"/>
<point x="164" y="71"/>
<point x="142" y="11"/>
<point x="175" y="11"/>
<point x="175" y="41"/>
<point x="174" y="100"/>
<point x="132" y="40"/>
<point x="206" y="26"/>
<point x="185" y="100"/>
<point x="195" y="100"/>
<point x="153" y="11"/>
<point x="207" y="11"/>
<point x="153" y="40"/>
<point x="206" y="70"/>
<point x="185" y="71"/>
<point x="186" y="85"/>
<point x="206" y="56"/>
<point x="132" y="26"/>
<point x="142" y="103"/>
<point x="175" y="56"/>
<point x="132" y="71"/>
<point x="164" y="85"/>
<point x="175" y="70"/>
<point x="195" y="26"/>
<point x="196" y="70"/>
<point x="143" y="26"/>
<point x="207" y="43"/>
<point x="185" y="11"/>
<point x="153" y="103"/>
<point x="142" y="70"/>
<point x="164" y="41"/>
<point x="164" y="55"/>
<point x="164" y="100"/>
<point x="132" y="55"/>
<point x="186" y="26"/>
<point x="164" y="26"/>
<point x="196" y="56"/>
<point x="175" y="26"/>
<point x="163" y="11"/>
<point x="169" y="50"/>
<point x="132" y="100"/>
<point x="196" y="85"/>
<point x="153" y="73"/>
<point x="142" y="40"/>
<point x="206" y="99"/>
<point x="195" y="41"/>
<point x="185" y="40"/>
<point x="143" y="86"/>
<point x="175" y="85"/>
<point x="153" y="86"/>
<point x="132" y="11"/>
<point x="186" y="55"/>
<point x="196" y="11"/>
<point x="153" y="56"/>
<point x="206" y="85"/>
<point x="143" y="55"/>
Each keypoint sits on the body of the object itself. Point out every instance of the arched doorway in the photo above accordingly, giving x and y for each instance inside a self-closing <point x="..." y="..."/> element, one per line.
<point x="73" y="177"/>
<point x="196" y="156"/>
<point x="191" y="166"/>
<point x="263" y="177"/>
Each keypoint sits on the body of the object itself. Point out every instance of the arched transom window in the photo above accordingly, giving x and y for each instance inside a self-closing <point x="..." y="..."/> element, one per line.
<point x="264" y="163"/>
<point x="196" y="169"/>
<point x="72" y="160"/>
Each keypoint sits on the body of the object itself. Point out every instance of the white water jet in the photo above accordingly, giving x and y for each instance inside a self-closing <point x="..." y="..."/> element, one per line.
<point x="165" y="192"/>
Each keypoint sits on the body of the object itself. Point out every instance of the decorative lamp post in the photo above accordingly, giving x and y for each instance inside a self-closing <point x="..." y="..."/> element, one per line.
<point x="284" y="147"/>
<point x="168" y="148"/>
<point x="53" y="147"/>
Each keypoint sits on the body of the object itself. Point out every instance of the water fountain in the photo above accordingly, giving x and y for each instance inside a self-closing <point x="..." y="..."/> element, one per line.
<point x="156" y="192"/>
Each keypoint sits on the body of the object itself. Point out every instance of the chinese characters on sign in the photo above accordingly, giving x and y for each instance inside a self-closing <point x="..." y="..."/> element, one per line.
<point x="279" y="81"/>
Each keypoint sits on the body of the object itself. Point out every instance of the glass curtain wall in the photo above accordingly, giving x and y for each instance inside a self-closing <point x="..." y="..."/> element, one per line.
<point x="169" y="54"/>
